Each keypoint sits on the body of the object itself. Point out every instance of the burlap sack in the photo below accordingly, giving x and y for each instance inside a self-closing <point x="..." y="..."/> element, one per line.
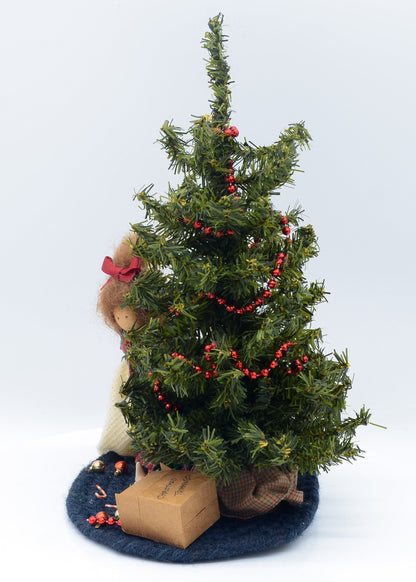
<point x="258" y="491"/>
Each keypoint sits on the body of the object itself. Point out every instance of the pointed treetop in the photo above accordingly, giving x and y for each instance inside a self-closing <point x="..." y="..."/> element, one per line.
<point x="218" y="71"/>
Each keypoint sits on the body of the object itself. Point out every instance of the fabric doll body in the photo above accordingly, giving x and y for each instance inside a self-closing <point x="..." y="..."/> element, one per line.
<point x="114" y="436"/>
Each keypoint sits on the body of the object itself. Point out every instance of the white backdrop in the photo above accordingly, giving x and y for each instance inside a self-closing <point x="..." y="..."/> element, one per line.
<point x="84" y="88"/>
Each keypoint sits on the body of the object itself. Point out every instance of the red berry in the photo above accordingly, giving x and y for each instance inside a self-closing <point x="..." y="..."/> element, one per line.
<point x="197" y="224"/>
<point x="265" y="372"/>
<point x="160" y="397"/>
<point x="92" y="520"/>
<point x="228" y="132"/>
<point x="198" y="369"/>
<point x="221" y="301"/>
<point x="281" y="256"/>
<point x="272" y="284"/>
<point x="232" y="188"/>
<point x="230" y="308"/>
<point x="230" y="232"/>
<point x="168" y="406"/>
<point x="239" y="365"/>
<point x="253" y="375"/>
<point x="246" y="371"/>
<point x="111" y="520"/>
<point x="276" y="273"/>
<point x="273" y="364"/>
<point x="305" y="359"/>
<point x="267" y="294"/>
<point x="286" y="230"/>
<point x="219" y="234"/>
<point x="278" y="354"/>
<point x="234" y="354"/>
<point x="234" y="131"/>
<point x="186" y="220"/>
<point x="208" y="348"/>
<point x="230" y="179"/>
<point x="284" y="220"/>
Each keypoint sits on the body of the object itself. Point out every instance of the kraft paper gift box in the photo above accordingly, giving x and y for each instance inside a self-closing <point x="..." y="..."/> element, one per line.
<point x="173" y="507"/>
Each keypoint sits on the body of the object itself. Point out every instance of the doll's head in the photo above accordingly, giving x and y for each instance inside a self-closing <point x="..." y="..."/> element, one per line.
<point x="123" y="269"/>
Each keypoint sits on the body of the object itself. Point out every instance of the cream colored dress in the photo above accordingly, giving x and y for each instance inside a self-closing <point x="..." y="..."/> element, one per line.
<point x="114" y="436"/>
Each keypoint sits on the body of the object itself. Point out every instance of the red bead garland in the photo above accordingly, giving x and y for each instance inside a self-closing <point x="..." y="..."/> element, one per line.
<point x="265" y="372"/>
<point x="295" y="368"/>
<point x="160" y="396"/>
<point x="272" y="284"/>
<point x="231" y="131"/>
<point x="208" y="230"/>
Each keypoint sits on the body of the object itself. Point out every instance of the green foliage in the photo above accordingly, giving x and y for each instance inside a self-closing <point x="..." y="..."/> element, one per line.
<point x="229" y="371"/>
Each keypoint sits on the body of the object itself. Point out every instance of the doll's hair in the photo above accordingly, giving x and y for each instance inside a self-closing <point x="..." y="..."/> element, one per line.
<point x="113" y="293"/>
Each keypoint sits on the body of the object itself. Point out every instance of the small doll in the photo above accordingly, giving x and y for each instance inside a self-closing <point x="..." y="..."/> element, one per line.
<point x="123" y="269"/>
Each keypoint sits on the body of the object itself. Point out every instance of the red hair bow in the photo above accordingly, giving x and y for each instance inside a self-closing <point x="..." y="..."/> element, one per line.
<point x="125" y="274"/>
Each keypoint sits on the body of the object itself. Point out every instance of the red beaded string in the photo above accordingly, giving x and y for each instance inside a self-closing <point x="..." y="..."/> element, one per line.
<point x="272" y="284"/>
<point x="295" y="368"/>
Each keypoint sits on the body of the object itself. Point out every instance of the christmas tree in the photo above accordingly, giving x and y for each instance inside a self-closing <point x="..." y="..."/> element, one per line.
<point x="229" y="372"/>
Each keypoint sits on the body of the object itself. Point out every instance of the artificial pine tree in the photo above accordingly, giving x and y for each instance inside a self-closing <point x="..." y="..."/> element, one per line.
<point x="229" y="373"/>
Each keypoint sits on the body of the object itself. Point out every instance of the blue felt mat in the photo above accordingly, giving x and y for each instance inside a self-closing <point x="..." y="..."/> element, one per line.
<point x="227" y="538"/>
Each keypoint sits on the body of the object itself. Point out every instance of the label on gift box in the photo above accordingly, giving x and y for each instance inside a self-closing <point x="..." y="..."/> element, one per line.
<point x="173" y="507"/>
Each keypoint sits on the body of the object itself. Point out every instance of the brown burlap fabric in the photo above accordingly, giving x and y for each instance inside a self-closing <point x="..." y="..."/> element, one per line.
<point x="258" y="491"/>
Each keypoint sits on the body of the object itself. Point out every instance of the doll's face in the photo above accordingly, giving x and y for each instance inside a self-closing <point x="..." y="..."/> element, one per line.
<point x="125" y="318"/>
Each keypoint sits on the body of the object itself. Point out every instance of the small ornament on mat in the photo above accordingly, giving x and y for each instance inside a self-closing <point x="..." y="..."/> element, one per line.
<point x="120" y="467"/>
<point x="96" y="466"/>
